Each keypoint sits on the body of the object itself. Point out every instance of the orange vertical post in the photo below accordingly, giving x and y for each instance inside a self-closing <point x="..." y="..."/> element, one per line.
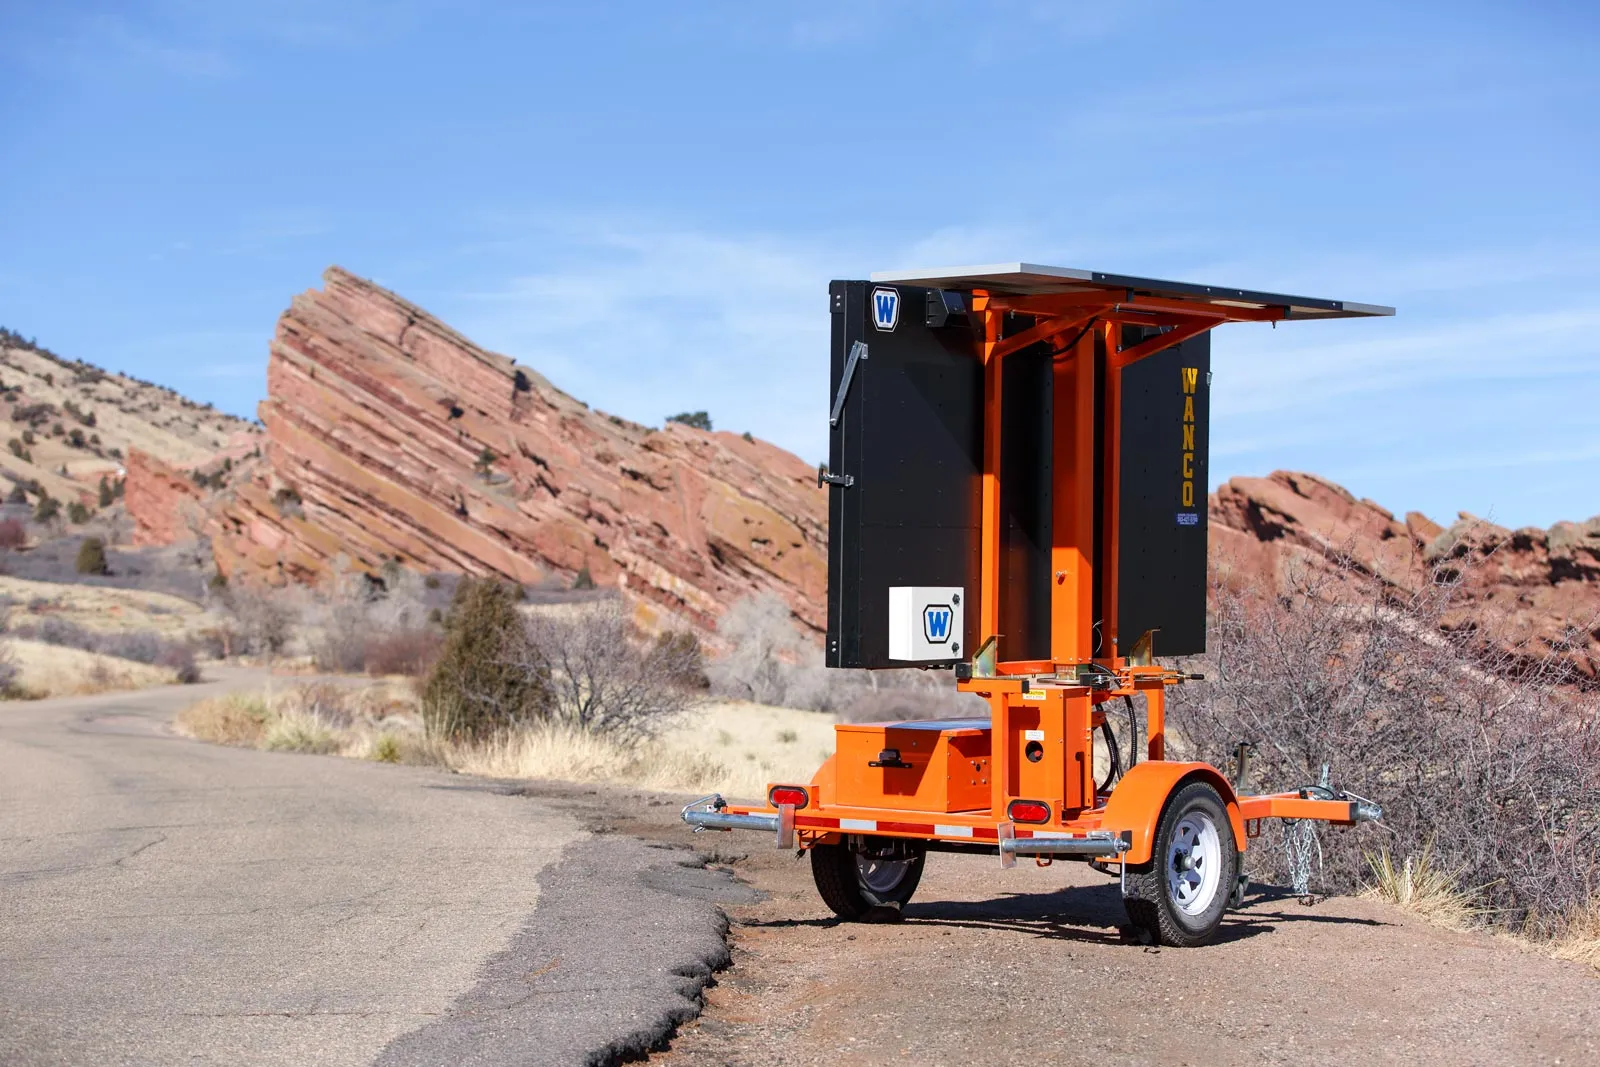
<point x="1155" y="704"/>
<point x="989" y="540"/>
<point x="1072" y="518"/>
<point x="1112" y="413"/>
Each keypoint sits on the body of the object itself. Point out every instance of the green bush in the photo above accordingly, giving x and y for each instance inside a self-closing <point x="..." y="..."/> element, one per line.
<point x="47" y="509"/>
<point x="700" y="420"/>
<point x="486" y="678"/>
<point x="92" y="556"/>
<point x="106" y="499"/>
<point x="77" y="513"/>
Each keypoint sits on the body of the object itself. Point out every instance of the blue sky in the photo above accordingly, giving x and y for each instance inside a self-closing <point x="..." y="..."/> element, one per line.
<point x="646" y="201"/>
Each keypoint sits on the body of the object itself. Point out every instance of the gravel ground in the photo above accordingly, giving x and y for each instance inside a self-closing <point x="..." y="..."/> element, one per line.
<point x="1027" y="965"/>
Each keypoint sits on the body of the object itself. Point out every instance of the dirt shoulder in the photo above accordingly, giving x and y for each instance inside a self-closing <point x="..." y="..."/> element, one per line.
<point x="1004" y="967"/>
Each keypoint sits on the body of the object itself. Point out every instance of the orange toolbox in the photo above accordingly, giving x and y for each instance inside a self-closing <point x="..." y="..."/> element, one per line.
<point x="940" y="766"/>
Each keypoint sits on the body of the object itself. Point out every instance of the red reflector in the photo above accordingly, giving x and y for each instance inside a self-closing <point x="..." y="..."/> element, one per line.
<point x="788" y="794"/>
<point x="1029" y="811"/>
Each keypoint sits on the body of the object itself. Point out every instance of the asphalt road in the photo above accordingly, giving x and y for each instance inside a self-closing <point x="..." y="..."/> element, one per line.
<point x="164" y="901"/>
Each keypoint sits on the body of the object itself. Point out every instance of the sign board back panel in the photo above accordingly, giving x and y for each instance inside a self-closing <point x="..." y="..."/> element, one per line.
<point x="910" y="438"/>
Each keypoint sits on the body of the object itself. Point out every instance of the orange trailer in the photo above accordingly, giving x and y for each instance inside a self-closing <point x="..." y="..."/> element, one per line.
<point x="1017" y="464"/>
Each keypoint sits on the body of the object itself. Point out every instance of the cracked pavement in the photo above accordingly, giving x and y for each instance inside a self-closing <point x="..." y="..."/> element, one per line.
<point x="163" y="900"/>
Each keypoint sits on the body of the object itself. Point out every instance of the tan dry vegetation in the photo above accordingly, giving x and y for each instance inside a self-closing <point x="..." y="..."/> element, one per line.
<point x="1581" y="942"/>
<point x="128" y="414"/>
<point x="1418" y="885"/>
<point x="102" y="609"/>
<point x="728" y="747"/>
<point x="45" y="671"/>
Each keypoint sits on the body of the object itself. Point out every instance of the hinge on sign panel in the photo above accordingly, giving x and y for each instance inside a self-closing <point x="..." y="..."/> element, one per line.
<point x="826" y="477"/>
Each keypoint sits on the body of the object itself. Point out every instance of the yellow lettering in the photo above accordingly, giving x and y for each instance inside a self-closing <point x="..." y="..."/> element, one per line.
<point x="1188" y="494"/>
<point x="1188" y="464"/>
<point x="1188" y="409"/>
<point x="1188" y="437"/>
<point x="1191" y="375"/>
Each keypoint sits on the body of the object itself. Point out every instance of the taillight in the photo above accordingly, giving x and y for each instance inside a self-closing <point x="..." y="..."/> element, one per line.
<point x="1029" y="811"/>
<point x="788" y="794"/>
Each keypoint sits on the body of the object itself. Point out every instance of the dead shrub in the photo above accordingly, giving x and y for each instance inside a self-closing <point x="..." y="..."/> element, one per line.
<point x="380" y="627"/>
<point x="603" y="678"/>
<point x="179" y="659"/>
<point x="411" y="652"/>
<point x="1484" y="758"/>
<point x="767" y="660"/>
<point x="263" y="619"/>
<point x="12" y="534"/>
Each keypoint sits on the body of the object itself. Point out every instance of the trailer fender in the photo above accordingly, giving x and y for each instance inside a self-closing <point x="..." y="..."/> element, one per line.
<point x="1137" y="801"/>
<point x="823" y="789"/>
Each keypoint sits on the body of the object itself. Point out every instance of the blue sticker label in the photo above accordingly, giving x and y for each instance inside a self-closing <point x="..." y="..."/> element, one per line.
<point x="1188" y="518"/>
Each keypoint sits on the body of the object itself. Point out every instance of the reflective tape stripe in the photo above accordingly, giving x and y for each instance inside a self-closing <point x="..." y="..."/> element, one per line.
<point x="858" y="824"/>
<point x="953" y="831"/>
<point x="813" y="820"/>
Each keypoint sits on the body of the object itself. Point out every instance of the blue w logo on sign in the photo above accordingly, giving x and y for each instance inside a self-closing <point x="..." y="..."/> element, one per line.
<point x="885" y="308"/>
<point x="936" y="623"/>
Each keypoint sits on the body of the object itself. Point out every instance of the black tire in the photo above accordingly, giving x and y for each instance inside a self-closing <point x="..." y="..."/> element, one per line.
<point x="852" y="886"/>
<point x="1180" y="896"/>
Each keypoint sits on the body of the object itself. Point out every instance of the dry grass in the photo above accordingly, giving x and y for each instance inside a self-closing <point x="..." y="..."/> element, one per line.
<point x="101" y="608"/>
<point x="231" y="719"/>
<point x="45" y="671"/>
<point x="727" y="747"/>
<point x="1581" y="942"/>
<point x="1419" y="886"/>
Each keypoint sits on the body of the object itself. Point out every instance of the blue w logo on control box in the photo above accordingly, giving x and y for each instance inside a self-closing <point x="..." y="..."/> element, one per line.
<point x="885" y="308"/>
<point x="936" y="623"/>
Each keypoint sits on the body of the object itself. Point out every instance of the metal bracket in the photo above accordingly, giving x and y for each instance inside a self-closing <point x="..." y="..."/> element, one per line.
<point x="826" y="477"/>
<point x="858" y="352"/>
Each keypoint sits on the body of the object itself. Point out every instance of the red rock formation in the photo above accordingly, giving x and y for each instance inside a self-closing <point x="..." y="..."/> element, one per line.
<point x="165" y="505"/>
<point x="1530" y="588"/>
<point x="392" y="437"/>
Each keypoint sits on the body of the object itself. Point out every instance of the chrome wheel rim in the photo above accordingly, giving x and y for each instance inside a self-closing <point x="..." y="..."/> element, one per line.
<point x="882" y="874"/>
<point x="1194" y="863"/>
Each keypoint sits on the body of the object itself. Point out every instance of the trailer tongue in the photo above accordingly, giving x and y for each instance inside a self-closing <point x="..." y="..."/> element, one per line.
<point x="1017" y="463"/>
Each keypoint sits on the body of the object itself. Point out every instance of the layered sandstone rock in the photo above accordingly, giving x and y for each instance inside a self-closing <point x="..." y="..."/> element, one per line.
<point x="390" y="437"/>
<point x="1536" y="591"/>
<point x="164" y="502"/>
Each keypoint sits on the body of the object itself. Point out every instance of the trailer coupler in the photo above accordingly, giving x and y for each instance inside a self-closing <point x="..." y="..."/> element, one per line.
<point x="708" y="813"/>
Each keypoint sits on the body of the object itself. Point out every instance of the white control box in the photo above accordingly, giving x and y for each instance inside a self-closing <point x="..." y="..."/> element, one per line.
<point x="926" y="623"/>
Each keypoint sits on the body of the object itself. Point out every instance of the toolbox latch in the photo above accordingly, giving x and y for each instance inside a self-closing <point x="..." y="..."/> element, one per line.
<point x="889" y="757"/>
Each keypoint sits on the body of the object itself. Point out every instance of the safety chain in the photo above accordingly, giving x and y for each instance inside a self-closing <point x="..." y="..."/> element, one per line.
<point x="1300" y="843"/>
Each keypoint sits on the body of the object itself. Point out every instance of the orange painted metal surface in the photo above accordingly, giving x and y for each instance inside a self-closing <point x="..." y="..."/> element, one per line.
<point x="1293" y="806"/>
<point x="948" y="770"/>
<point x="1135" y="804"/>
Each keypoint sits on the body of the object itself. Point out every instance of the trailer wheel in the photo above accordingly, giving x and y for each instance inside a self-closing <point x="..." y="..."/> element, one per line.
<point x="865" y="873"/>
<point x="1179" y="897"/>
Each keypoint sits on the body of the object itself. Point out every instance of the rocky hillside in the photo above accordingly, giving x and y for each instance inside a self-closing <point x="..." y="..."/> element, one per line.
<point x="1532" y="590"/>
<point x="390" y="437"/>
<point x="68" y="424"/>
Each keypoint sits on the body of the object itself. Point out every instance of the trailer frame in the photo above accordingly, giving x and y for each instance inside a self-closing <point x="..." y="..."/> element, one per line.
<point x="1031" y="788"/>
